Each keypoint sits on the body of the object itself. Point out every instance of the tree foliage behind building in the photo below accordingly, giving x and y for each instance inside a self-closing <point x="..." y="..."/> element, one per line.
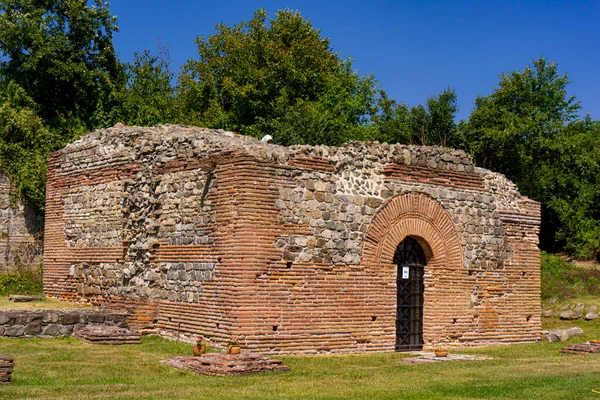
<point x="60" y="78"/>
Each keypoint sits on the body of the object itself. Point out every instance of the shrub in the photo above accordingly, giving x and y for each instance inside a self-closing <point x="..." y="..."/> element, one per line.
<point x="24" y="281"/>
<point x="562" y="279"/>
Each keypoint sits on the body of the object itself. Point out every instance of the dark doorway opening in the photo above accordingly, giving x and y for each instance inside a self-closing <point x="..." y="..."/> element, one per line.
<point x="410" y="259"/>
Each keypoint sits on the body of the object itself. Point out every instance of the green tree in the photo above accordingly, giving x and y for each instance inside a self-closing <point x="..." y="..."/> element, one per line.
<point x="528" y="130"/>
<point x="432" y="124"/>
<point x="441" y="110"/>
<point x="280" y="78"/>
<point x="392" y="123"/>
<point x="149" y="96"/>
<point x="570" y="191"/>
<point x="61" y="53"/>
<point x="512" y="129"/>
<point x="24" y="144"/>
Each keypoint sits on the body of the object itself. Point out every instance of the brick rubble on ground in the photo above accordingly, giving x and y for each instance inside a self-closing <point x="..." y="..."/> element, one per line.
<point x="7" y="364"/>
<point x="582" y="348"/>
<point x="219" y="364"/>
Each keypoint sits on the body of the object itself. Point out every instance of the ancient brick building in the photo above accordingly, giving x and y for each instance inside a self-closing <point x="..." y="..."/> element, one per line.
<point x="364" y="247"/>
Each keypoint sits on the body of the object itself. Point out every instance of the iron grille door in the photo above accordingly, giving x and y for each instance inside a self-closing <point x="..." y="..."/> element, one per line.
<point x="410" y="258"/>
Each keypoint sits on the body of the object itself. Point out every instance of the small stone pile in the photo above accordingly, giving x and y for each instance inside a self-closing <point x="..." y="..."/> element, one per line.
<point x="582" y="348"/>
<point x="571" y="312"/>
<point x="7" y="364"/>
<point x="218" y="364"/>
<point x="100" y="334"/>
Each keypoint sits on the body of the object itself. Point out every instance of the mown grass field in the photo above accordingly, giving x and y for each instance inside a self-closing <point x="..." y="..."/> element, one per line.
<point x="66" y="368"/>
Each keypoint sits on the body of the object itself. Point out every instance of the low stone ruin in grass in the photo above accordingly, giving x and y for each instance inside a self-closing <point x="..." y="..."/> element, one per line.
<point x="426" y="357"/>
<point x="102" y="334"/>
<point x="219" y="364"/>
<point x="50" y="323"/>
<point x="582" y="348"/>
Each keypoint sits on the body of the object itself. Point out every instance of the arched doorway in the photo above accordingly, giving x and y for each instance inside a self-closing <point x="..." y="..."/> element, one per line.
<point x="410" y="259"/>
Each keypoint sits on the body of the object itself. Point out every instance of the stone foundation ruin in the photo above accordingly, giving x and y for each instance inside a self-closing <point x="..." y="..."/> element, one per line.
<point x="302" y="249"/>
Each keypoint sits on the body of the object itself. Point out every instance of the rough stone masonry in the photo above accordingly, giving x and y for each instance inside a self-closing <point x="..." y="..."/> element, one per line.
<point x="198" y="231"/>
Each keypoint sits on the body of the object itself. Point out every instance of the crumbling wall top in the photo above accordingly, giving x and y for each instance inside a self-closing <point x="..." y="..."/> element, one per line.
<point x="162" y="143"/>
<point x="170" y="139"/>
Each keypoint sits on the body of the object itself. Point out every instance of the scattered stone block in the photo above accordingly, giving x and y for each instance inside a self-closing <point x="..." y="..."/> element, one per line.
<point x="219" y="364"/>
<point x="7" y="364"/>
<point x="100" y="334"/>
<point x="16" y="298"/>
<point x="567" y="315"/>
<point x="591" y="316"/>
<point x="591" y="313"/>
<point x="562" y="335"/>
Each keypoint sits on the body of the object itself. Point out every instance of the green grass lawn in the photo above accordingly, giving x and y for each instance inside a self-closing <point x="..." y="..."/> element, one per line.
<point x="66" y="368"/>
<point x="46" y="304"/>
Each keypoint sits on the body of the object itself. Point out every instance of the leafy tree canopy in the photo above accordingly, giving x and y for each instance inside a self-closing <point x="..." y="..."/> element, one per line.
<point x="432" y="124"/>
<point x="149" y="97"/>
<point x="568" y="185"/>
<point x="24" y="144"/>
<point x="278" y="77"/>
<point x="61" y="53"/>
<point x="512" y="129"/>
<point x="528" y="129"/>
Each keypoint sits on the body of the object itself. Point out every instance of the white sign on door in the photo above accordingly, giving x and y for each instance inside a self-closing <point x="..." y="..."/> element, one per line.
<point x="404" y="272"/>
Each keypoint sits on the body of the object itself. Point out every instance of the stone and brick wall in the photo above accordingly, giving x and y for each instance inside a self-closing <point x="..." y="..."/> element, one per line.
<point x="19" y="226"/>
<point x="49" y="323"/>
<point x="196" y="231"/>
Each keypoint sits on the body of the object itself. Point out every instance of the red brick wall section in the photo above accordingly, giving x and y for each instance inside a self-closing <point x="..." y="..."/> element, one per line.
<point x="56" y="269"/>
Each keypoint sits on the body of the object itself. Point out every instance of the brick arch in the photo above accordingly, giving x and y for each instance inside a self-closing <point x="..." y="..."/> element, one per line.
<point x="416" y="215"/>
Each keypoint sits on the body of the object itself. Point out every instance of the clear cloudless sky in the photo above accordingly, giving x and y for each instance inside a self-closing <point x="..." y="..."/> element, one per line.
<point x="414" y="48"/>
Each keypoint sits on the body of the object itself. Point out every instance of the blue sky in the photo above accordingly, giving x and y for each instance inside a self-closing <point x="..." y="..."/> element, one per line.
<point x="414" y="48"/>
